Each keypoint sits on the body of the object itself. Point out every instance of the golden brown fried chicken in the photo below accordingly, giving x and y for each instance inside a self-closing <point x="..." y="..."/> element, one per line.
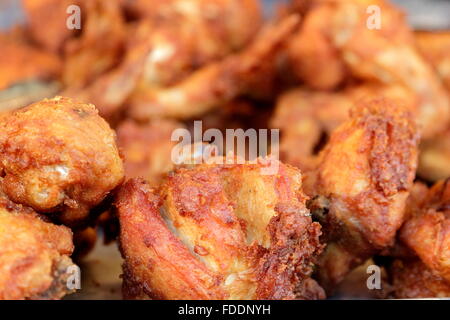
<point x="34" y="255"/>
<point x="99" y="46"/>
<point x="427" y="232"/>
<point x="435" y="47"/>
<point x="361" y="185"/>
<point x="214" y="84"/>
<point x="337" y="43"/>
<point x="47" y="22"/>
<point x="434" y="157"/>
<point x="411" y="279"/>
<point x="215" y="231"/>
<point x="58" y="156"/>
<point x="147" y="149"/>
<point x="306" y="118"/>
<point x="21" y="62"/>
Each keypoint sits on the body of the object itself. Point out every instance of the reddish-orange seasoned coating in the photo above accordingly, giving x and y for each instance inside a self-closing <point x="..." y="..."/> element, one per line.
<point x="412" y="279"/>
<point x="58" y="156"/>
<point x="47" y="22"/>
<point x="364" y="174"/>
<point x="219" y="232"/>
<point x="34" y="255"/>
<point x="427" y="232"/>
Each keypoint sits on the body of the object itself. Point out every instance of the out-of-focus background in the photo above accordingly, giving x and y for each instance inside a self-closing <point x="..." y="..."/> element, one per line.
<point x="422" y="14"/>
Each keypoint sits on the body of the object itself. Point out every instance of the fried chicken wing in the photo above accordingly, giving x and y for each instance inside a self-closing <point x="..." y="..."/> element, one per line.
<point x="214" y="84"/>
<point x="215" y="231"/>
<point x="147" y="149"/>
<point x="34" y="255"/>
<point x="339" y="32"/>
<point x="411" y="279"/>
<point x="99" y="46"/>
<point x="361" y="185"/>
<point x="427" y="232"/>
<point x="307" y="118"/>
<point x="58" y="156"/>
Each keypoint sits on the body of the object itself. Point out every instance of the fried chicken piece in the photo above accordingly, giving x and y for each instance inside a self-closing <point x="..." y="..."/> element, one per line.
<point x="47" y="22"/>
<point x="411" y="279"/>
<point x="434" y="157"/>
<point x="100" y="45"/>
<point x="34" y="255"/>
<point x="147" y="148"/>
<point x="435" y="47"/>
<point x="58" y="156"/>
<point x="340" y="34"/>
<point x="169" y="44"/>
<point x="216" y="26"/>
<point x="306" y="118"/>
<point x="22" y="62"/>
<point x="214" y="231"/>
<point x="427" y="232"/>
<point x="361" y="185"/>
<point x="213" y="84"/>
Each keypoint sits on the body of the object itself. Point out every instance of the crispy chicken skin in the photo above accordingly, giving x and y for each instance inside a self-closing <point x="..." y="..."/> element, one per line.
<point x="34" y="255"/>
<point x="215" y="231"/>
<point x="427" y="232"/>
<point x="147" y="148"/>
<point x="338" y="31"/>
<point x="22" y="62"/>
<point x="412" y="279"/>
<point x="58" y="156"/>
<point x="361" y="185"/>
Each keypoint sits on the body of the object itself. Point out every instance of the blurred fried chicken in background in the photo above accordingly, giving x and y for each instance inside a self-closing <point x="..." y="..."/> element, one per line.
<point x="356" y="105"/>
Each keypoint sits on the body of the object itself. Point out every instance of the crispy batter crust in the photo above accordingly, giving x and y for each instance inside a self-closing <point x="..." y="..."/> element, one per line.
<point x="34" y="254"/>
<point x="219" y="232"/>
<point x="365" y="171"/>
<point x="58" y="155"/>
<point x="427" y="233"/>
<point x="412" y="279"/>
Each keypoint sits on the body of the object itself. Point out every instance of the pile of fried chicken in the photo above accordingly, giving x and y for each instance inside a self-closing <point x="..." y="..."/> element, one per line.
<point x="364" y="168"/>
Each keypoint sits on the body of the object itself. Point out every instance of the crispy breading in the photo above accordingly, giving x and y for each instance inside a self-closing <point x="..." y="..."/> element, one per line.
<point x="58" y="156"/>
<point x="411" y="279"/>
<point x="34" y="255"/>
<point x="434" y="157"/>
<point x="427" y="232"/>
<point x="365" y="172"/>
<point x="47" y="22"/>
<point x="100" y="45"/>
<point x="435" y="47"/>
<point x="215" y="231"/>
